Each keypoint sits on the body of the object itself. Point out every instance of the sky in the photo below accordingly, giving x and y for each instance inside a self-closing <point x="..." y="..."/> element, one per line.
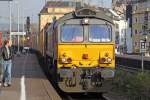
<point x="32" y="8"/>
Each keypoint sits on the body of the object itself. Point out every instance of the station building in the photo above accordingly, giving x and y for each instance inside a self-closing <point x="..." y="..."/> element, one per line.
<point x="55" y="9"/>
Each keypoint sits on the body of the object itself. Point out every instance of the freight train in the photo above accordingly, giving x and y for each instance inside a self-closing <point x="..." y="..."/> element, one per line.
<point x="79" y="51"/>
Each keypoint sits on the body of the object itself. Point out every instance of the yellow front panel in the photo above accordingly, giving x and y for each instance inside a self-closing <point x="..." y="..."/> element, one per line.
<point x="94" y="52"/>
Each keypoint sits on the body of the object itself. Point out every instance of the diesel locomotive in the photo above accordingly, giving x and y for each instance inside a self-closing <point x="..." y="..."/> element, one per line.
<point x="79" y="50"/>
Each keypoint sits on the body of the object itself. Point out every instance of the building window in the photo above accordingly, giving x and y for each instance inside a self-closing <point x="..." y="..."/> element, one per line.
<point x="122" y="39"/>
<point x="136" y="7"/>
<point x="117" y="39"/>
<point x="140" y="32"/>
<point x="141" y="19"/>
<point x="135" y="43"/>
<point x="136" y="31"/>
<point x="136" y="20"/>
<point x="117" y="26"/>
<point x="122" y="31"/>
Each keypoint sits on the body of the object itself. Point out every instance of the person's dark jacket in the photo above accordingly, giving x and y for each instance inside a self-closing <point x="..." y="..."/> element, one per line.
<point x="4" y="54"/>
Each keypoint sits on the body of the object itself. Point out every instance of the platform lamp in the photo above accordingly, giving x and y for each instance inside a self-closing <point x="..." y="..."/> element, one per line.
<point x="148" y="38"/>
<point x="144" y="39"/>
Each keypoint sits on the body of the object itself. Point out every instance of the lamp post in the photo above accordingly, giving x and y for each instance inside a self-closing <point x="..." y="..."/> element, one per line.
<point x="23" y="30"/>
<point x="10" y="18"/>
<point x="143" y="49"/>
<point x="18" y="52"/>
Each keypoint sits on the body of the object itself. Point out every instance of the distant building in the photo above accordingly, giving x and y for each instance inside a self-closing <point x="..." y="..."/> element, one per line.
<point x="55" y="9"/>
<point x="141" y="24"/>
<point x="120" y="33"/>
<point x="129" y="40"/>
<point x="121" y="36"/>
<point x="129" y="36"/>
<point x="119" y="6"/>
<point x="123" y="26"/>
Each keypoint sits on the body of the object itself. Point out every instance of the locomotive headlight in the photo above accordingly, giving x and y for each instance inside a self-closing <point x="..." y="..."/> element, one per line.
<point x="109" y="60"/>
<point x="63" y="60"/>
<point x="102" y="60"/>
<point x="69" y="60"/>
<point x="85" y="21"/>
<point x="66" y="60"/>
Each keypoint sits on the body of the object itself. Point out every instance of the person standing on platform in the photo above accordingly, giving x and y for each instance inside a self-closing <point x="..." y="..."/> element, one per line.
<point x="6" y="54"/>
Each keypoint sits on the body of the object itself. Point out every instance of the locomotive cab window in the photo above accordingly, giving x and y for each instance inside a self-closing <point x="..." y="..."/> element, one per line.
<point x="72" y="33"/>
<point x="100" y="33"/>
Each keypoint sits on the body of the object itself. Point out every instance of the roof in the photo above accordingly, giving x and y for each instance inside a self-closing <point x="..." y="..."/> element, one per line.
<point x="100" y="14"/>
<point x="59" y="4"/>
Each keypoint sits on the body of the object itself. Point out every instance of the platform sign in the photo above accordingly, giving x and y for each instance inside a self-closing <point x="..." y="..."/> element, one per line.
<point x="142" y="46"/>
<point x="18" y="33"/>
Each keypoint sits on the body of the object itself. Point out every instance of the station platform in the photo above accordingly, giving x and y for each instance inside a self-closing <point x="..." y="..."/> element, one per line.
<point x="137" y="57"/>
<point x="28" y="81"/>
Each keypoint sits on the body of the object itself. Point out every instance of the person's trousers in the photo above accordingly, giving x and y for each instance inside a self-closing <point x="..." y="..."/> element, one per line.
<point x="1" y="72"/>
<point x="7" y="65"/>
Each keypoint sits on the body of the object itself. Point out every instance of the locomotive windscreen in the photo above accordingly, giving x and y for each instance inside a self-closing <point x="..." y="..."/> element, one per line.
<point x="99" y="33"/>
<point x="72" y="33"/>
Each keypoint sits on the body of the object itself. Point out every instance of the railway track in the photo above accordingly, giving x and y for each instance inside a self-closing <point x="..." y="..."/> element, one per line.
<point x="79" y="96"/>
<point x="95" y="96"/>
<point x="131" y="63"/>
<point x="64" y="96"/>
<point x="128" y="69"/>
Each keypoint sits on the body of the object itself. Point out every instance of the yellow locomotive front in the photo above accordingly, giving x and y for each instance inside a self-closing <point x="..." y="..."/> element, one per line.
<point x="85" y="53"/>
<point x="94" y="48"/>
